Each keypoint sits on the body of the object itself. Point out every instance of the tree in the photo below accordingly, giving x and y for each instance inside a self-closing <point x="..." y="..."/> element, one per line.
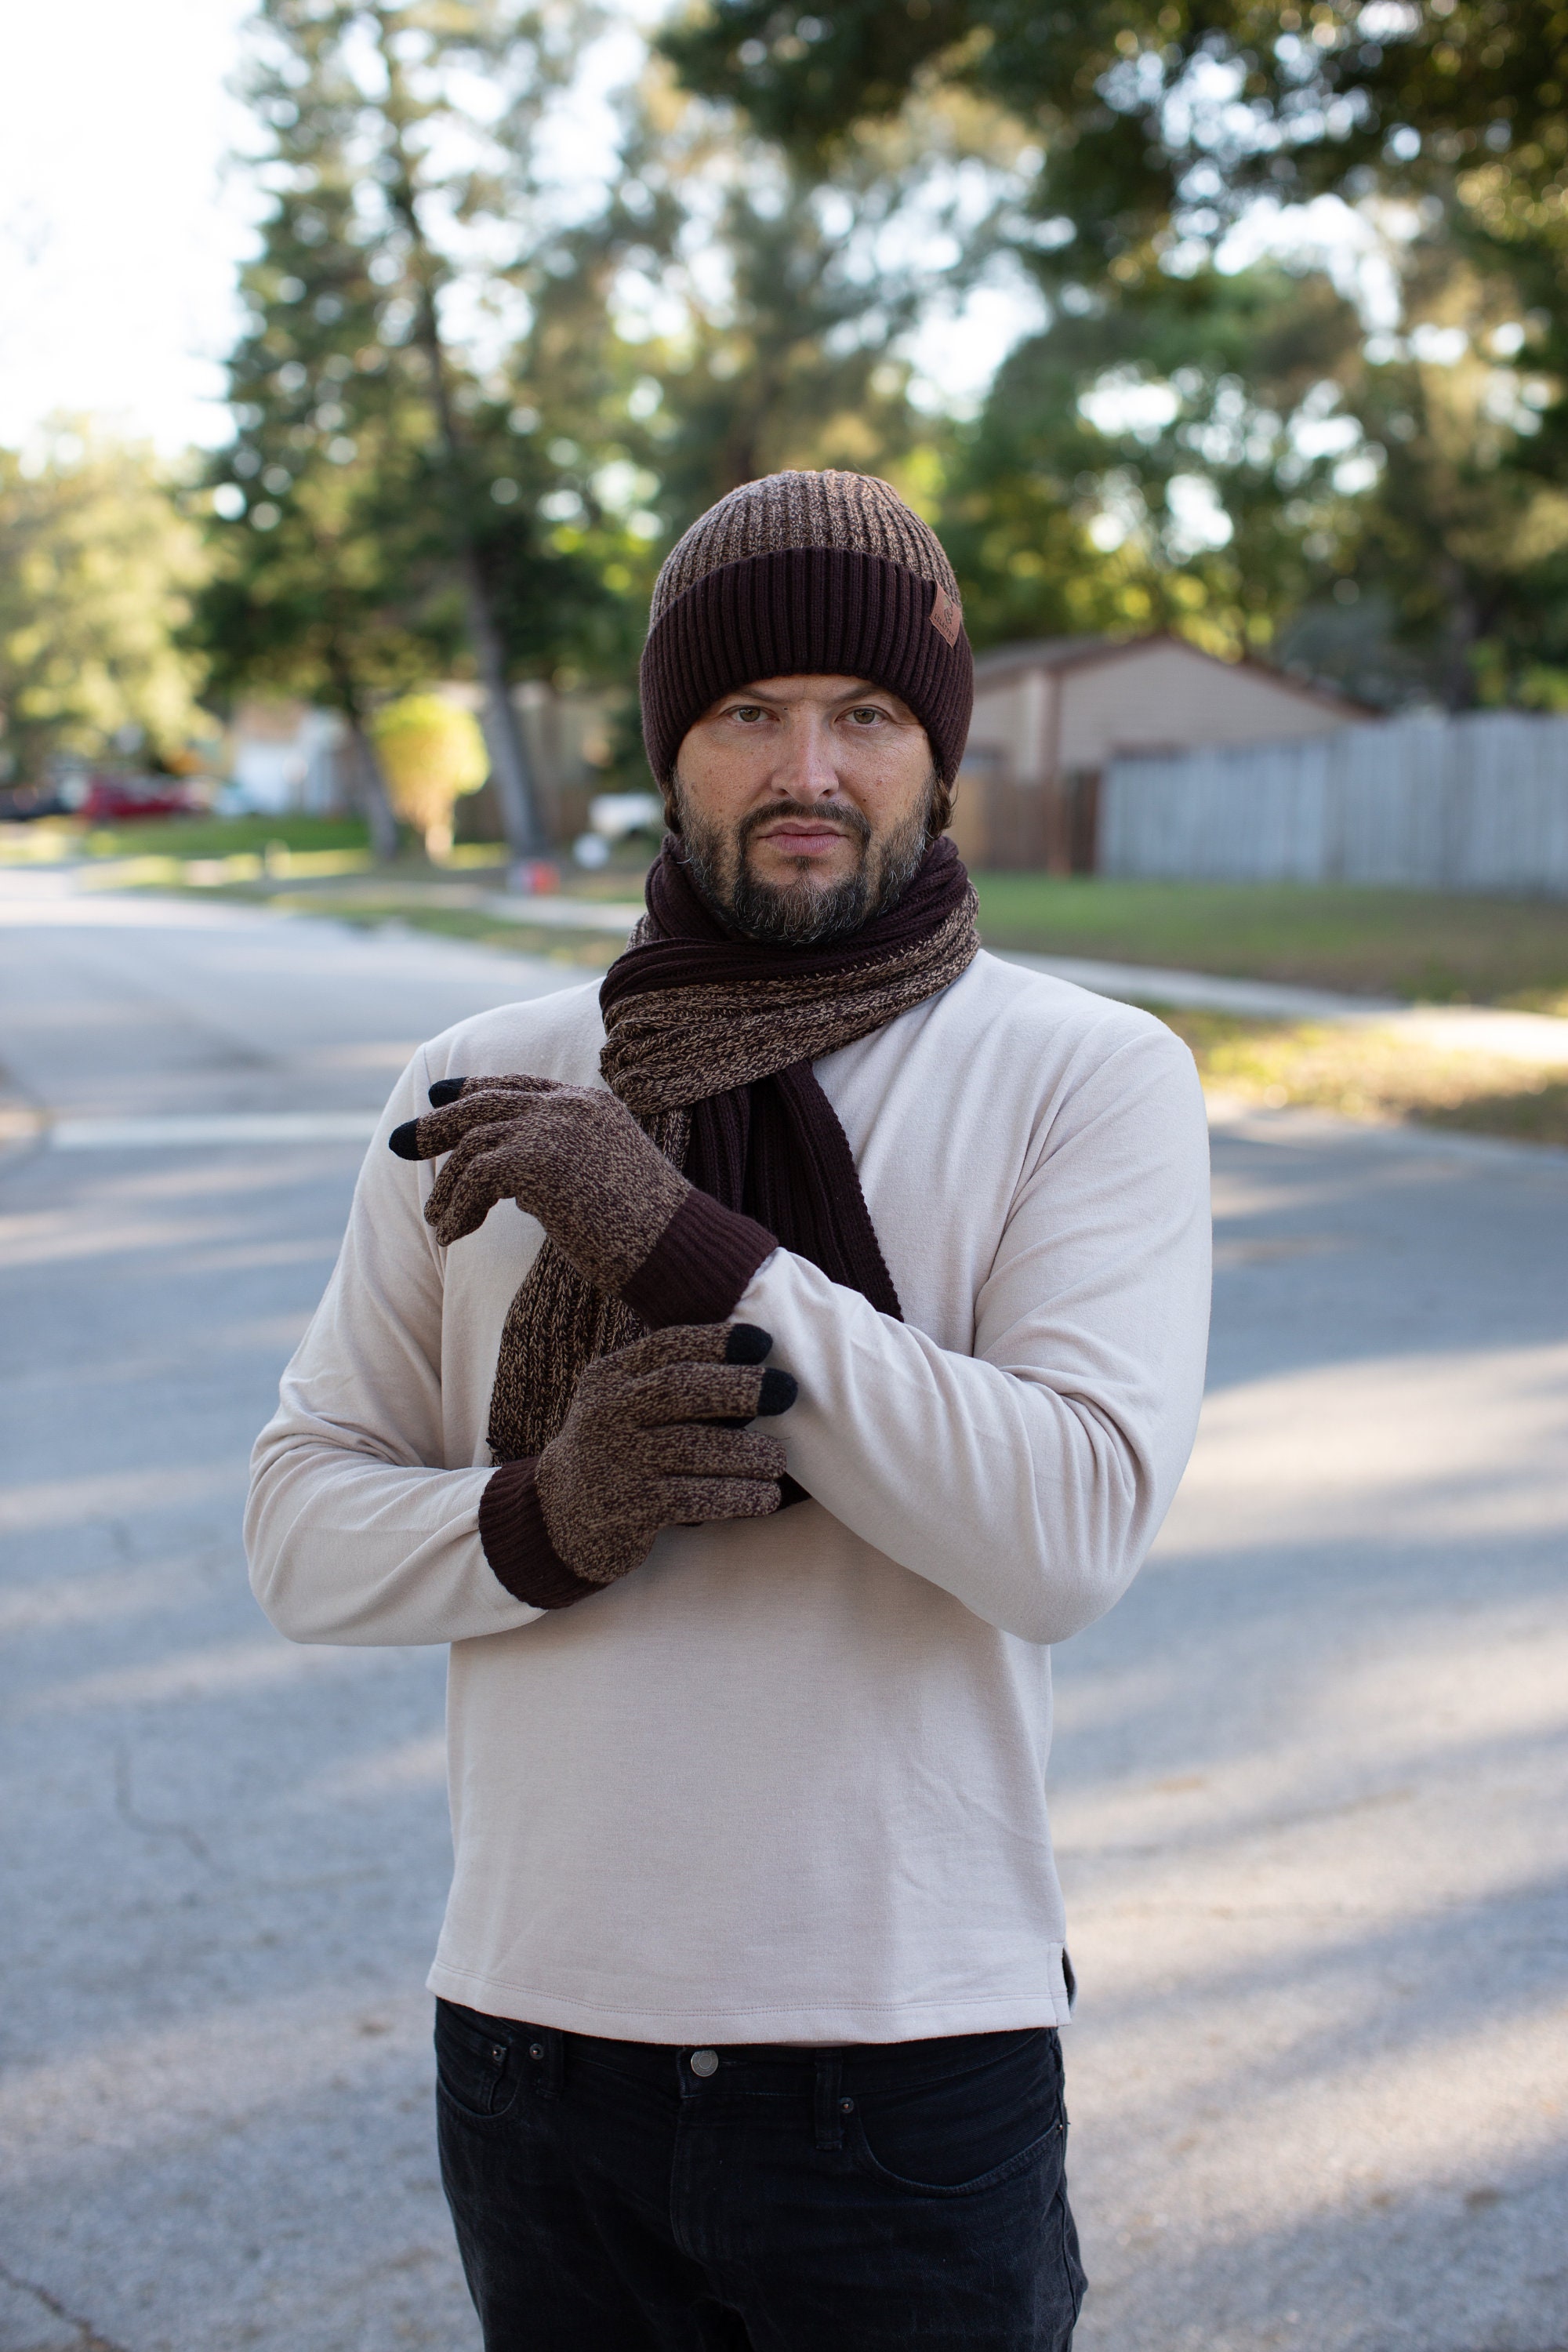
<point x="97" y="569"/>
<point x="1140" y="465"/>
<point x="1460" y="540"/>
<point x="395" y="204"/>
<point x="1155" y="114"/>
<point x="326" y="581"/>
<point x="1160" y="124"/>
<point x="432" y="753"/>
<point x="788" y="307"/>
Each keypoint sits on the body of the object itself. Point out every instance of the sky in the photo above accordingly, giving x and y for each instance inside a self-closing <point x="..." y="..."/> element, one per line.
<point x="120" y="230"/>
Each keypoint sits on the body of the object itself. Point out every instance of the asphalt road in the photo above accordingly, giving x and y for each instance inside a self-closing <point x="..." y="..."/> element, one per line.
<point x="1311" y="1783"/>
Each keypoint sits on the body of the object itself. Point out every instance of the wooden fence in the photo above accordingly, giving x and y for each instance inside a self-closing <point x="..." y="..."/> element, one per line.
<point x="1479" y="803"/>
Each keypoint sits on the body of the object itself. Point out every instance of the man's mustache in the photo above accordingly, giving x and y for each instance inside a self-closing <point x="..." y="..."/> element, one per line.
<point x="842" y="814"/>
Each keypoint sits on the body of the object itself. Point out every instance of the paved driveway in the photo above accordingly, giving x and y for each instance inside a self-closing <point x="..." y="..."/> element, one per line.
<point x="1311" y="1786"/>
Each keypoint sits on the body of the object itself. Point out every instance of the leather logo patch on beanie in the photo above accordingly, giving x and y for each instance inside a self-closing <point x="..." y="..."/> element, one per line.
<point x="946" y="617"/>
<point x="800" y="574"/>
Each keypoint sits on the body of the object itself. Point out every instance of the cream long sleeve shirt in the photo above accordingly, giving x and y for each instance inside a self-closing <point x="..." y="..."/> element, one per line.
<point x="785" y="1781"/>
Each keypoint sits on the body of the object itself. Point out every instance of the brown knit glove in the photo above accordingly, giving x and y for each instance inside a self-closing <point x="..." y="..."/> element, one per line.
<point x="575" y="1158"/>
<point x="655" y="1438"/>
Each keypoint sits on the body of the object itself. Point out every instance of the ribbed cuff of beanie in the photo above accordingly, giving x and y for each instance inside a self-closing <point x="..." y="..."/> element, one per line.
<point x="699" y="1265"/>
<point x="517" y="1541"/>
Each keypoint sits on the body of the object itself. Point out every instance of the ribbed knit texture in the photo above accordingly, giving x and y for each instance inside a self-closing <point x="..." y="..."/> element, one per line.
<point x="826" y="572"/>
<point x="517" y="1542"/>
<point x="699" y="1265"/>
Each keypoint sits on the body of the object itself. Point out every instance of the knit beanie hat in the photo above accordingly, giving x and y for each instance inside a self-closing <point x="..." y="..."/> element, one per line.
<point x="806" y="573"/>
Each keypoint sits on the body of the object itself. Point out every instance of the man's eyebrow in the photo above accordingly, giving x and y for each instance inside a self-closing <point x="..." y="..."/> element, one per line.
<point x="860" y="692"/>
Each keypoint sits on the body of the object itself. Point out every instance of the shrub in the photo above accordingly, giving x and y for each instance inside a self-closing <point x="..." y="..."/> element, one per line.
<point x="432" y="751"/>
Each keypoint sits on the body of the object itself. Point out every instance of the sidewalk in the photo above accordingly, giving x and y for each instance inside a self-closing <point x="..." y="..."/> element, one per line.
<point x="1536" y="1037"/>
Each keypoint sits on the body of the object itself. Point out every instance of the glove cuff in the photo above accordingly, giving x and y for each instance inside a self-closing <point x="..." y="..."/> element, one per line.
<point x="517" y="1541"/>
<point x="699" y="1265"/>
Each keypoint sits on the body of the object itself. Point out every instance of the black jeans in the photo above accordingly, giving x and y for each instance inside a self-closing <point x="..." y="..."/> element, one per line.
<point x="623" y="2197"/>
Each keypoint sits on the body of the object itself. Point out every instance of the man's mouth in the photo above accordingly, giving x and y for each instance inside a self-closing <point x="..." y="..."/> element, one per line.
<point x="803" y="837"/>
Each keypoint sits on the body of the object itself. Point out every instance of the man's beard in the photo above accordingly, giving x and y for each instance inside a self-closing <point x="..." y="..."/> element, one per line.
<point x="802" y="913"/>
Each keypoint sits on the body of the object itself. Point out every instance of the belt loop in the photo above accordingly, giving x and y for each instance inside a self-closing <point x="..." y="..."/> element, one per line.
<point x="830" y="2116"/>
<point x="544" y="2048"/>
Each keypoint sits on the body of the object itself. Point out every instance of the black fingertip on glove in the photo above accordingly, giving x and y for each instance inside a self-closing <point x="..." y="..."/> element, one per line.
<point x="405" y="1139"/>
<point x="777" y="1393"/>
<point x="445" y="1091"/>
<point x="748" y="1343"/>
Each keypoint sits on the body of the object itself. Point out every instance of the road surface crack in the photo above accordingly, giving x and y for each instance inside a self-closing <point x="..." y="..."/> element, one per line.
<point x="91" y="2339"/>
<point x="126" y="1809"/>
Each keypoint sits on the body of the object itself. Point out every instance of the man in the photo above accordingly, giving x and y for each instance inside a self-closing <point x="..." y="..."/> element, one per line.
<point x="846" y="1355"/>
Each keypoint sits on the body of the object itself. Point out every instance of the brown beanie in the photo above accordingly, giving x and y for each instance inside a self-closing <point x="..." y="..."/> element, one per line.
<point x="828" y="572"/>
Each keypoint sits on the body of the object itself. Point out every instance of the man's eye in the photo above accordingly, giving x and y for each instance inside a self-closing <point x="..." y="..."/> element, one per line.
<point x="747" y="710"/>
<point x="863" y="718"/>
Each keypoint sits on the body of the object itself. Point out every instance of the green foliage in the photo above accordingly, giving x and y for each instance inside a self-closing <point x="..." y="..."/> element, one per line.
<point x="380" y="518"/>
<point x="1289" y="99"/>
<point x="432" y="753"/>
<point x="97" y="568"/>
<point x="324" y="525"/>
<point x="342" y="564"/>
<point x="1138" y="465"/>
<point x="1438" y="517"/>
<point x="785" y="352"/>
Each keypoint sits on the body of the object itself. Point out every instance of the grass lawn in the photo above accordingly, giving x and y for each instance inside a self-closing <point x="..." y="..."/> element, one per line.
<point x="1418" y="945"/>
<point x="199" y="836"/>
<point x="174" y="842"/>
<point x="1373" y="1074"/>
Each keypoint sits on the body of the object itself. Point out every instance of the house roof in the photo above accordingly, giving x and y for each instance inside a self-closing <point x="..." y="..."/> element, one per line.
<point x="1048" y="653"/>
<point x="1059" y="654"/>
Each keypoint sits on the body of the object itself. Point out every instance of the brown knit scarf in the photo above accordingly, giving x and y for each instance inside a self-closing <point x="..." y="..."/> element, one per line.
<point x="711" y="1041"/>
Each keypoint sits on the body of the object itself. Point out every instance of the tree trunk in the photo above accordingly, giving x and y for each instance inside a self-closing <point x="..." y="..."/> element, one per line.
<point x="512" y="768"/>
<point x="1460" y="635"/>
<point x="369" y="785"/>
<point x="373" y="795"/>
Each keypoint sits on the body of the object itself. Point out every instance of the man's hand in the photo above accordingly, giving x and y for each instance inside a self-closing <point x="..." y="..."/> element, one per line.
<point x="656" y="1437"/>
<point x="573" y="1157"/>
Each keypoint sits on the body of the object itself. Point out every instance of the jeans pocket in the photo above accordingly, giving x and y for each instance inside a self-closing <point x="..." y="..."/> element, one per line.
<point x="477" y="2064"/>
<point x="955" y="2134"/>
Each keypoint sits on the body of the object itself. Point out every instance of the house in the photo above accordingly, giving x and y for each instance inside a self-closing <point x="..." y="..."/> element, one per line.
<point x="1049" y="716"/>
<point x="283" y="755"/>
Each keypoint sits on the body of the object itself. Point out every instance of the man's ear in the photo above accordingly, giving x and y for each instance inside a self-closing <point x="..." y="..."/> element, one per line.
<point x="670" y="793"/>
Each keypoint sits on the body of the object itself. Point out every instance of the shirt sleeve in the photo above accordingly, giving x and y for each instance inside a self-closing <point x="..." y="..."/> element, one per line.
<point x="1030" y="1477"/>
<point x="355" y="1530"/>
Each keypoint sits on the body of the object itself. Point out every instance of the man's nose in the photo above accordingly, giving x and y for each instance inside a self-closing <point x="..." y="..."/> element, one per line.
<point x="806" y="769"/>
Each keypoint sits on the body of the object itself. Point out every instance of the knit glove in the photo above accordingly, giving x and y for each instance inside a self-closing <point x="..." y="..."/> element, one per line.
<point x="575" y="1158"/>
<point x="655" y="1437"/>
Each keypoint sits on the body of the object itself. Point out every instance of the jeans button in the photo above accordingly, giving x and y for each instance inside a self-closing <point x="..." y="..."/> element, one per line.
<point x="705" y="2063"/>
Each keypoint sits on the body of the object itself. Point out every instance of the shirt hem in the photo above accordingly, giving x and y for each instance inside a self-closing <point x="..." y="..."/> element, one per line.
<point x="825" y="2024"/>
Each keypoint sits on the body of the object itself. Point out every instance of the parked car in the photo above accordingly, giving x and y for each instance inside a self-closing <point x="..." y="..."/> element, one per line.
<point x="20" y="804"/>
<point x="130" y="800"/>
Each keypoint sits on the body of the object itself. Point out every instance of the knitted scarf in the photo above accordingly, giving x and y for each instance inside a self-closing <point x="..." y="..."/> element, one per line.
<point x="710" y="1042"/>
